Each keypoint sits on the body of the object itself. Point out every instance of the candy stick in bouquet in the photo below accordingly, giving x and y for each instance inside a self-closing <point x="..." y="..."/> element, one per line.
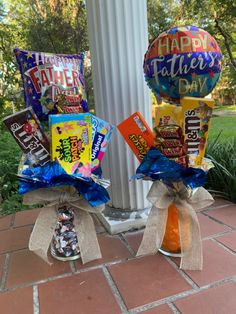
<point x="181" y="63"/>
<point x="63" y="181"/>
<point x="69" y="191"/>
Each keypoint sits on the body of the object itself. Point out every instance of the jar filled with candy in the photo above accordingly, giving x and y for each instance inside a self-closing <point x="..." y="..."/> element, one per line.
<point x="171" y="242"/>
<point x="64" y="245"/>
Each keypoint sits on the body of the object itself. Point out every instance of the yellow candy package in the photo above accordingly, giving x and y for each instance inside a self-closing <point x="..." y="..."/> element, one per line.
<point x="196" y="115"/>
<point x="71" y="142"/>
<point x="167" y="114"/>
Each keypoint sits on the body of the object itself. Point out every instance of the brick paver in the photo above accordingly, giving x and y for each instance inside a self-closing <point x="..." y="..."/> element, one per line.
<point x="210" y="227"/>
<point x="219" y="202"/>
<point x="226" y="215"/>
<point x="120" y="282"/>
<point x="218" y="264"/>
<point x="112" y="249"/>
<point x="146" y="280"/>
<point x="215" y="300"/>
<point x="25" y="267"/>
<point x="85" y="293"/>
<point x="228" y="240"/>
<point x="134" y="239"/>
<point x="26" y="217"/>
<point x="161" y="309"/>
<point x="18" y="301"/>
<point x="14" y="239"/>
<point x="5" y="222"/>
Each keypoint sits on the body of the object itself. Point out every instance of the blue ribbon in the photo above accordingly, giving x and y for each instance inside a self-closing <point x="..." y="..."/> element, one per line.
<point x="156" y="166"/>
<point x="52" y="175"/>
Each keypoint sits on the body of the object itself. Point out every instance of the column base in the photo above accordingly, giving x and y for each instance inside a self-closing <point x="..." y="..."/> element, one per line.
<point x="120" y="220"/>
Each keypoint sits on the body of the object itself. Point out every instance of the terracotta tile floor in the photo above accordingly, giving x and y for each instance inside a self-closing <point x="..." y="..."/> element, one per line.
<point x="120" y="282"/>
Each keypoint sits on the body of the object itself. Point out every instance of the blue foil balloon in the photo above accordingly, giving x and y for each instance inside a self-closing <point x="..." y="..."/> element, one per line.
<point x="183" y="61"/>
<point x="47" y="78"/>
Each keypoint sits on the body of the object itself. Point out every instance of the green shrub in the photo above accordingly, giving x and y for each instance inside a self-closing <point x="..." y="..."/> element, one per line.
<point x="221" y="179"/>
<point x="10" y="155"/>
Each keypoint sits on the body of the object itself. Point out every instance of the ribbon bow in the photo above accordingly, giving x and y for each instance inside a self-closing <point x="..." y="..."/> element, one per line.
<point x="45" y="224"/>
<point x="161" y="196"/>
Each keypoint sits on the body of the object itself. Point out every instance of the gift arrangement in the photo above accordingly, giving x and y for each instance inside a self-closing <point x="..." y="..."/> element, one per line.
<point x="61" y="172"/>
<point x="181" y="66"/>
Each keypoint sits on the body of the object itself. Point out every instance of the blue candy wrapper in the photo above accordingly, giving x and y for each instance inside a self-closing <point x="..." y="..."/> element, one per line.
<point x="52" y="175"/>
<point x="156" y="166"/>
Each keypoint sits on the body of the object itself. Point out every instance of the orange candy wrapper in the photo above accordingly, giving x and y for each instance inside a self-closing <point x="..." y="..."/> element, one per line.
<point x="137" y="134"/>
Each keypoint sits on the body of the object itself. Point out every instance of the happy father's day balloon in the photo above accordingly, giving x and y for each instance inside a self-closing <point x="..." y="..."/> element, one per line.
<point x="183" y="61"/>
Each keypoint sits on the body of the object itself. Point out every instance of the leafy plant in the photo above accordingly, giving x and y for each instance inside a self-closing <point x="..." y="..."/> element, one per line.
<point x="222" y="179"/>
<point x="10" y="154"/>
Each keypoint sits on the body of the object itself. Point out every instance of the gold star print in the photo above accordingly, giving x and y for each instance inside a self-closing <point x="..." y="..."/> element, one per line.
<point x="189" y="55"/>
<point x="29" y="55"/>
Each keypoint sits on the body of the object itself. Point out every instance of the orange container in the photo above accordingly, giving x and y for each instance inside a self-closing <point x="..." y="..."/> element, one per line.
<point x="171" y="241"/>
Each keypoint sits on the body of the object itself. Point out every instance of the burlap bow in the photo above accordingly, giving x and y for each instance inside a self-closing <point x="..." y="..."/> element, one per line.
<point x="45" y="224"/>
<point x="187" y="203"/>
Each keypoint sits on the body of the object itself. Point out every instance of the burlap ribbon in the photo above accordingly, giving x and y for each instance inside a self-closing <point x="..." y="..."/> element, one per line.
<point x="45" y="224"/>
<point x="187" y="203"/>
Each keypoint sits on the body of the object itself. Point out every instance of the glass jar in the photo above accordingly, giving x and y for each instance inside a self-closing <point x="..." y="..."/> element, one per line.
<point x="64" y="245"/>
<point x="171" y="241"/>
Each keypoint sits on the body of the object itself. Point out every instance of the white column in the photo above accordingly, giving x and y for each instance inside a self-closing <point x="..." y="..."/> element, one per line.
<point x="118" y="40"/>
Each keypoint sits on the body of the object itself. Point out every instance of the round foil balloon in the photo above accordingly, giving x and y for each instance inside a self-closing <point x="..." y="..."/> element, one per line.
<point x="183" y="61"/>
<point x="53" y="83"/>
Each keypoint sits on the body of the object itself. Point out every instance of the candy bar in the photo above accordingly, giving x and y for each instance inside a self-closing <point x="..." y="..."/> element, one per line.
<point x="137" y="134"/>
<point x="73" y="109"/>
<point x="29" y="135"/>
<point x="168" y="131"/>
<point x="183" y="160"/>
<point x="71" y="136"/>
<point x="164" y="142"/>
<point x="101" y="135"/>
<point x="172" y="151"/>
<point x="69" y="104"/>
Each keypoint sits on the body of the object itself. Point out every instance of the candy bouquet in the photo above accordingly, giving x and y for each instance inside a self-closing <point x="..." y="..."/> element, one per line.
<point x="62" y="174"/>
<point x="182" y="66"/>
